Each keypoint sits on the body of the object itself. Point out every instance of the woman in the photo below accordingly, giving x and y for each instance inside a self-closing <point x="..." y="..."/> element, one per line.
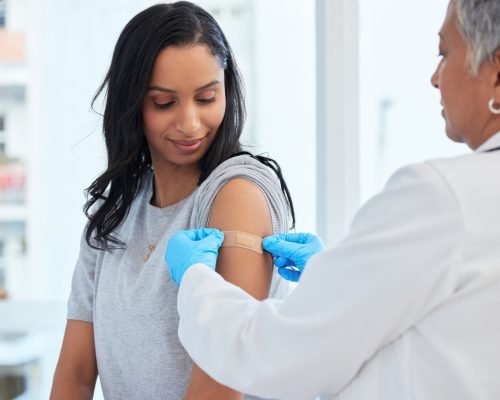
<point x="172" y="123"/>
<point x="407" y="305"/>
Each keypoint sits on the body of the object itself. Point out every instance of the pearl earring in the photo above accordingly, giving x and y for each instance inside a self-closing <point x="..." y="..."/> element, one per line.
<point x="493" y="109"/>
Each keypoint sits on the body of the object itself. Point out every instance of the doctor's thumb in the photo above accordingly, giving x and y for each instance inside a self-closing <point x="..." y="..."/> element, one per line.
<point x="276" y="246"/>
<point x="269" y="243"/>
<point x="214" y="239"/>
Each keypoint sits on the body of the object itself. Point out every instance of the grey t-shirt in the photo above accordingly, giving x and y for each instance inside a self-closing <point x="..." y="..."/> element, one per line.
<point x="131" y="301"/>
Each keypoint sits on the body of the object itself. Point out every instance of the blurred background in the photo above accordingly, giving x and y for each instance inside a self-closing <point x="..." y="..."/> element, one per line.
<point x="338" y="92"/>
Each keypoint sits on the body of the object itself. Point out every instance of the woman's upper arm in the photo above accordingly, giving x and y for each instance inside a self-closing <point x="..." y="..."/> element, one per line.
<point x="76" y="371"/>
<point x="241" y="205"/>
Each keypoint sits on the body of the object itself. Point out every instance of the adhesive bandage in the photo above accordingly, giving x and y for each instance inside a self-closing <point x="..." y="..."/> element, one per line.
<point x="244" y="240"/>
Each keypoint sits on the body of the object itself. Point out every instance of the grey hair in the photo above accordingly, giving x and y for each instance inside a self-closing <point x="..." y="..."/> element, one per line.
<point x="479" y="24"/>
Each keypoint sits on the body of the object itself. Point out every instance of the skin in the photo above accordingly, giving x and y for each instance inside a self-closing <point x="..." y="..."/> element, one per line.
<point x="464" y="95"/>
<point x="76" y="371"/>
<point x="182" y="111"/>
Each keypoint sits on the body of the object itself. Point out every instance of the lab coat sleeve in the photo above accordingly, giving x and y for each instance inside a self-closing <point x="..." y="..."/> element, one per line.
<point x="394" y="267"/>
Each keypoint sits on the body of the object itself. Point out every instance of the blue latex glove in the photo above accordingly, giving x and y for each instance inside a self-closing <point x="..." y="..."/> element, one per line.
<point x="291" y="251"/>
<point x="190" y="247"/>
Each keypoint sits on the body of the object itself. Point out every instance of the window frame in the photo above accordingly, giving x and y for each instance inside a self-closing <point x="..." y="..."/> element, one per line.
<point x="338" y="183"/>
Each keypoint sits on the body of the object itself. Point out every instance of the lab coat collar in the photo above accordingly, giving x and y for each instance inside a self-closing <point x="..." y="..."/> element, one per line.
<point x="491" y="143"/>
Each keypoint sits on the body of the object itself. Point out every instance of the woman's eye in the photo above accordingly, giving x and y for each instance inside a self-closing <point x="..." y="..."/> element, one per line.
<point x="163" y="106"/>
<point x="206" y="101"/>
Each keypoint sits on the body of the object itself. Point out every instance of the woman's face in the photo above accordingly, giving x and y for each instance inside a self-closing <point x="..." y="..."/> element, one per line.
<point x="464" y="96"/>
<point x="184" y="105"/>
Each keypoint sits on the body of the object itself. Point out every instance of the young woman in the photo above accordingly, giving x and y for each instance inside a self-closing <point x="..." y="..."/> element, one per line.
<point x="172" y="124"/>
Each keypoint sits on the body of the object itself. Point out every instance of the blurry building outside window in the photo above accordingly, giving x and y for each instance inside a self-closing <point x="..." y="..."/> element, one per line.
<point x="2" y="13"/>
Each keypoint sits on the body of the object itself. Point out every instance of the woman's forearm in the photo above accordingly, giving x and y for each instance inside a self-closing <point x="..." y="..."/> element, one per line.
<point x="202" y="387"/>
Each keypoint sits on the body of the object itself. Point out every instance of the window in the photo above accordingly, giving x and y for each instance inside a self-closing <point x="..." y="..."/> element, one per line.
<point x="399" y="116"/>
<point x="2" y="13"/>
<point x="337" y="136"/>
<point x="376" y="53"/>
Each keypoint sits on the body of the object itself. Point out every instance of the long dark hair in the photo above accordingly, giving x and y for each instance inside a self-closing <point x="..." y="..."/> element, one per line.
<point x="125" y="85"/>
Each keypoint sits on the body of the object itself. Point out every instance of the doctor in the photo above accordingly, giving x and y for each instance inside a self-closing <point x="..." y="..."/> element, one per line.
<point x="407" y="306"/>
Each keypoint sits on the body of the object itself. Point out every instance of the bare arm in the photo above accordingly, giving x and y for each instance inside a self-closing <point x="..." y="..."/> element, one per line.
<point x="240" y="205"/>
<point x="76" y="371"/>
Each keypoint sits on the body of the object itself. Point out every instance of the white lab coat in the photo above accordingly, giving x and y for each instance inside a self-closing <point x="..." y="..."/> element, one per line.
<point x="406" y="307"/>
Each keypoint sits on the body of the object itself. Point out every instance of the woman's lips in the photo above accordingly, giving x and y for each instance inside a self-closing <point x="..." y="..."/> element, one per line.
<point x="187" y="146"/>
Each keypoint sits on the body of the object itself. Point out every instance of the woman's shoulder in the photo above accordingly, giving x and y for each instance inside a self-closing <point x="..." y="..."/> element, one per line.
<point x="242" y="164"/>
<point x="247" y="168"/>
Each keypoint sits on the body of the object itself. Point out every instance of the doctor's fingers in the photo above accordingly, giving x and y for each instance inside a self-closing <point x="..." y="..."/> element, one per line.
<point x="280" y="248"/>
<point x="179" y="242"/>
<point x="291" y="275"/>
<point x="202" y="233"/>
<point x="281" y="262"/>
<point x="293" y="237"/>
<point x="212" y="241"/>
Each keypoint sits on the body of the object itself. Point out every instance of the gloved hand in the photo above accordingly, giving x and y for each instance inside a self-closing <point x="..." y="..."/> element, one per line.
<point x="190" y="247"/>
<point x="291" y="251"/>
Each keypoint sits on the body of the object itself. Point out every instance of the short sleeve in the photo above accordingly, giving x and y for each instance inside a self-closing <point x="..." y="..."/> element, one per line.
<point x="81" y="299"/>
<point x="242" y="167"/>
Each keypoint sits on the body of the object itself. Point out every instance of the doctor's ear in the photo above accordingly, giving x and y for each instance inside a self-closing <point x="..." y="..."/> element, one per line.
<point x="496" y="62"/>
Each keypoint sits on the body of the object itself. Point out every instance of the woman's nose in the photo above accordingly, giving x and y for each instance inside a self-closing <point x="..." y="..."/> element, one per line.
<point x="188" y="121"/>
